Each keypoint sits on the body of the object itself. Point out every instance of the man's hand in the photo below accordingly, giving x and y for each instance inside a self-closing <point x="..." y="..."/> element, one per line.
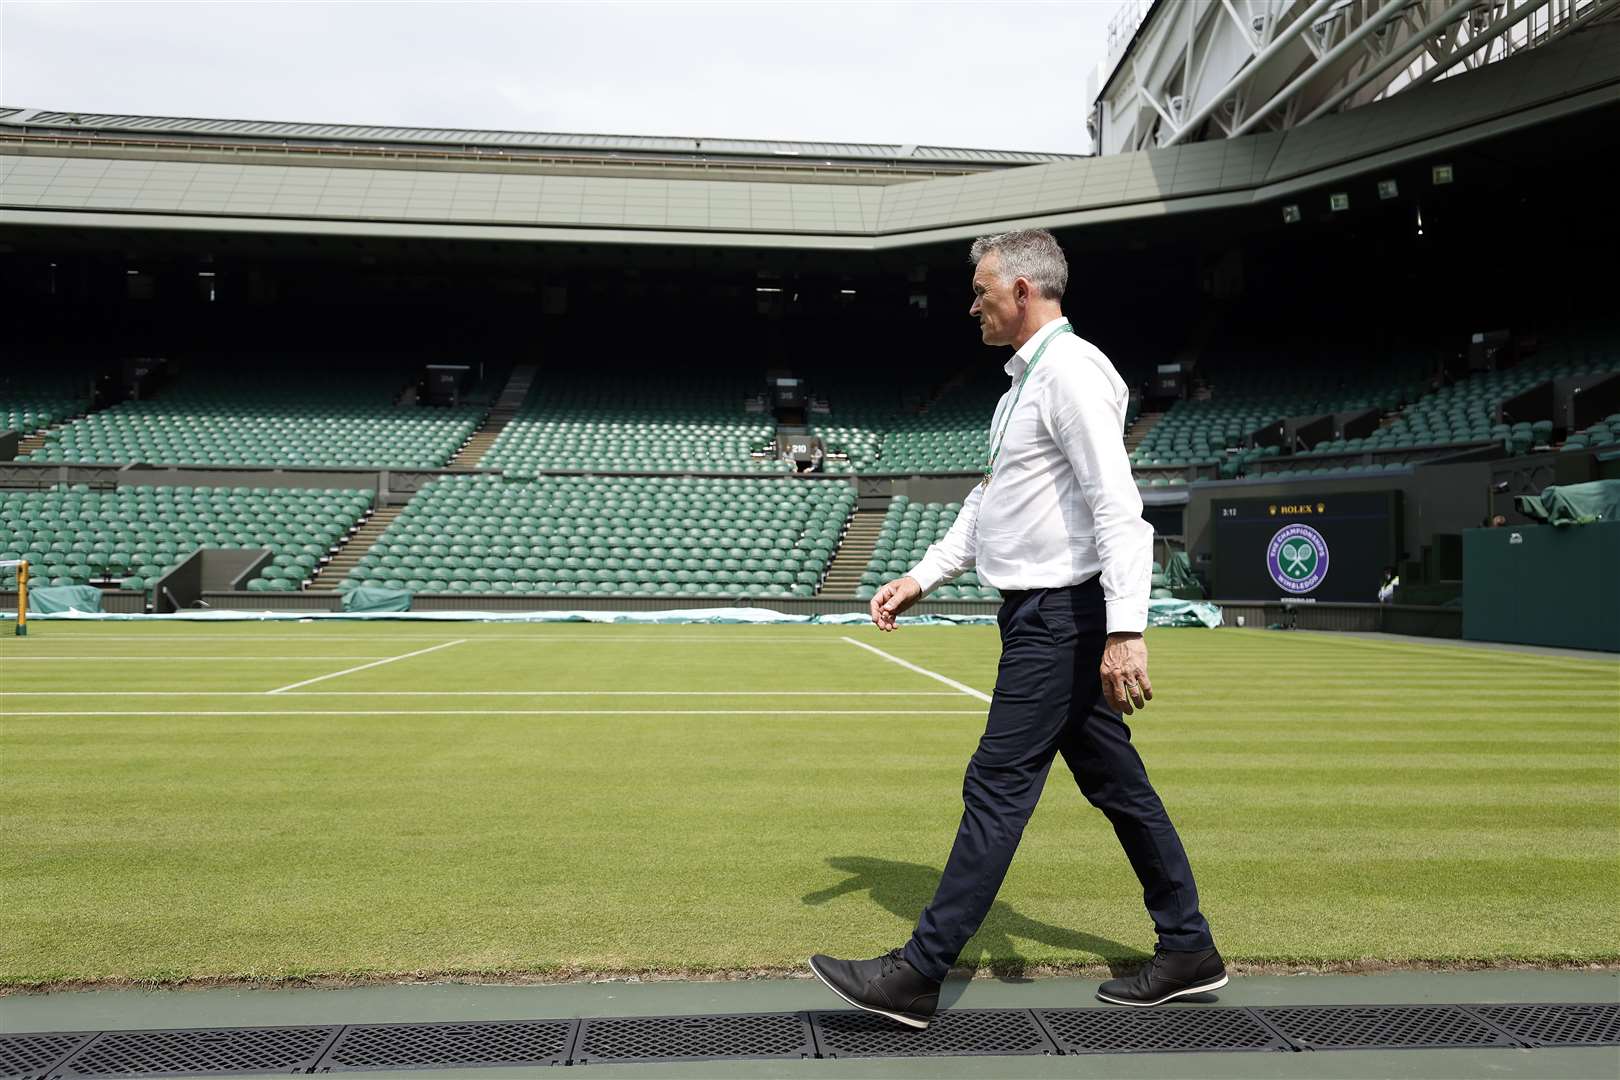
<point x="1124" y="672"/>
<point x="892" y="599"/>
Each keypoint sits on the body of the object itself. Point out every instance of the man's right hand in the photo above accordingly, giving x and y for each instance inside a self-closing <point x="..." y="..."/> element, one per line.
<point x="892" y="599"/>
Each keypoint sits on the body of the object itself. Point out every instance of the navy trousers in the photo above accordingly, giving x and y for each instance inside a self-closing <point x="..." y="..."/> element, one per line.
<point x="1048" y="700"/>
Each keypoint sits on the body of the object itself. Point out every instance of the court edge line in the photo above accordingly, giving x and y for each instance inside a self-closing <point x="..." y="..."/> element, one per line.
<point x="908" y="665"/>
<point x="283" y="713"/>
<point x="91" y="658"/>
<point x="484" y="693"/>
<point x="362" y="667"/>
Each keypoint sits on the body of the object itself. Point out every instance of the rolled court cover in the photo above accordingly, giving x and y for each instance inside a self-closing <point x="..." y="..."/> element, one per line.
<point x="1160" y="613"/>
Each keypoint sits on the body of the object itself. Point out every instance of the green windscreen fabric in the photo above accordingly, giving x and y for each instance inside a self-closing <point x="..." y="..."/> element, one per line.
<point x="1178" y="575"/>
<point x="1543" y="585"/>
<point x="52" y="599"/>
<point x="1573" y="504"/>
<point x="376" y="599"/>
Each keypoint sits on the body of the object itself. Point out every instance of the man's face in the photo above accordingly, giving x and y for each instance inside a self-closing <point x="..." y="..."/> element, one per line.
<point x="995" y="302"/>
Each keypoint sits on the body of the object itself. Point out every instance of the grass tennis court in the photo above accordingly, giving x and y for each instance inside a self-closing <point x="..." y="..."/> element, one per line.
<point x="188" y="801"/>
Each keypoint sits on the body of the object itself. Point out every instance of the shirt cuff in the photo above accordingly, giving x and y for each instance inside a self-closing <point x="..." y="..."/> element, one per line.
<point x="925" y="575"/>
<point x="1128" y="614"/>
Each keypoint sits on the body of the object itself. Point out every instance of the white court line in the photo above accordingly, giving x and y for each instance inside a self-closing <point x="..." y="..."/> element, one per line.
<point x="609" y="632"/>
<point x="483" y="693"/>
<point x="149" y="659"/>
<point x="522" y="712"/>
<point x="362" y="667"/>
<point x="963" y="687"/>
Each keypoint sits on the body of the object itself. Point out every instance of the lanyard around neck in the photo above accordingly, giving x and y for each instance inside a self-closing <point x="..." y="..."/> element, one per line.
<point x="1000" y="436"/>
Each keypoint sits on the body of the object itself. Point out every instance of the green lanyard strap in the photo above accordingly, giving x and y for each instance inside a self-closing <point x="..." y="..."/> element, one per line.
<point x="1000" y="436"/>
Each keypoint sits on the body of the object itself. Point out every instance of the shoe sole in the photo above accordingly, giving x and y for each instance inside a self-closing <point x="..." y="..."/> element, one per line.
<point x="901" y="1018"/>
<point x="1202" y="988"/>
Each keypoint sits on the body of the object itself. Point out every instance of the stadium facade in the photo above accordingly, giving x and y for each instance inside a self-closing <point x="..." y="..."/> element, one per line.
<point x="609" y="326"/>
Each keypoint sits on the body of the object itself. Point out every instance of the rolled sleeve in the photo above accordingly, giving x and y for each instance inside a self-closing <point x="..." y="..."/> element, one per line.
<point x="955" y="551"/>
<point x="1085" y="415"/>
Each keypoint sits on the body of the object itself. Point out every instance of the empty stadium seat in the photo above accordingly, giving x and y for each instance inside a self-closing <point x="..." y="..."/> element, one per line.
<point x="32" y="398"/>
<point x="146" y="531"/>
<point x="613" y="536"/>
<point x="904" y="537"/>
<point x="296" y="419"/>
<point x="640" y="424"/>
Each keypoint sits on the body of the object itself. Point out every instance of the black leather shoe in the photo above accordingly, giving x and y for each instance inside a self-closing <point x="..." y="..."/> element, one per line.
<point x="887" y="985"/>
<point x="1170" y="974"/>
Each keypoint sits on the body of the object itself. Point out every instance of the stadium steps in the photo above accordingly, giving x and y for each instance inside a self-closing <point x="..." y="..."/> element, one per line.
<point x="33" y="442"/>
<point x="1139" y="430"/>
<point x="354" y="549"/>
<point x="513" y="394"/>
<point x="849" y="563"/>
<point x="29" y="443"/>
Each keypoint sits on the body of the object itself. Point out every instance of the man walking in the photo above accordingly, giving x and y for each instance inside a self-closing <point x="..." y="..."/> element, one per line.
<point x="1056" y="525"/>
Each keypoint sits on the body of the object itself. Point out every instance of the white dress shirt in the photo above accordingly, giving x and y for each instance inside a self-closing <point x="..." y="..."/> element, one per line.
<point x="1062" y="505"/>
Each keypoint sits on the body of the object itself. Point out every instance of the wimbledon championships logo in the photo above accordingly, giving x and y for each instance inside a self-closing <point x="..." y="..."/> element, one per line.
<point x="1297" y="558"/>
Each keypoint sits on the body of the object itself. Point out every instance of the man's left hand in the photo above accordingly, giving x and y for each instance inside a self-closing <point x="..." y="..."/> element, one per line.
<point x="1124" y="673"/>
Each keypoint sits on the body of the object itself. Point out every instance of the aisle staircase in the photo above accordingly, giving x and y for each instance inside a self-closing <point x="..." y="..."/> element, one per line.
<point x="513" y="394"/>
<point x="849" y="561"/>
<point x="354" y="549"/>
<point x="1139" y="430"/>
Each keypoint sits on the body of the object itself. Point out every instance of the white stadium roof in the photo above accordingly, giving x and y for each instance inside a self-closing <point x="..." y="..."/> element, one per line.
<point x="169" y="176"/>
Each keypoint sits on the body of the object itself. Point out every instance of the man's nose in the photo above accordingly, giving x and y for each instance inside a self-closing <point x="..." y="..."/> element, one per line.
<point x="974" y="310"/>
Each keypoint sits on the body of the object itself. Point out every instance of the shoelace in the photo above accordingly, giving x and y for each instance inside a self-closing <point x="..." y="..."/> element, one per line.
<point x="889" y="961"/>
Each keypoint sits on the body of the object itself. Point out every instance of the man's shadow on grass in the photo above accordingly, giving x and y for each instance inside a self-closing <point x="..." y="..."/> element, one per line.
<point x="904" y="889"/>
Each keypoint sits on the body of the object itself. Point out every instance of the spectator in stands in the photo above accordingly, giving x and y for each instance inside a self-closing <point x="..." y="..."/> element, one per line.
<point x="1386" y="589"/>
<point x="1057" y="526"/>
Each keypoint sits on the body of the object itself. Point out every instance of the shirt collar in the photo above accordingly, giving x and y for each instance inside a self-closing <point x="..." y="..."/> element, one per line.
<point x="1020" y="359"/>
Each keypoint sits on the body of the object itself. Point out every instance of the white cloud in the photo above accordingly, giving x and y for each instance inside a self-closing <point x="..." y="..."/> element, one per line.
<point x="1004" y="75"/>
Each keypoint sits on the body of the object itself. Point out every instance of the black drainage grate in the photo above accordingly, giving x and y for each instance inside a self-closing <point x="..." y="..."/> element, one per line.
<point x="953" y="1032"/>
<point x="1556" y="1025"/>
<point x="23" y="1057"/>
<point x="688" y="1038"/>
<point x="1138" y="1031"/>
<point x="200" y="1050"/>
<point x="849" y="1034"/>
<point x="443" y="1046"/>
<point x="1392" y="1027"/>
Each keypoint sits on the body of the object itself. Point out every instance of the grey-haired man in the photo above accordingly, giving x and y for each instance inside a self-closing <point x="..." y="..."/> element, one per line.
<point x="1057" y="526"/>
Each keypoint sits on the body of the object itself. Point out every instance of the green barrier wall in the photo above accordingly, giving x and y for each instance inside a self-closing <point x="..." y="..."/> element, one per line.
<point x="1543" y="585"/>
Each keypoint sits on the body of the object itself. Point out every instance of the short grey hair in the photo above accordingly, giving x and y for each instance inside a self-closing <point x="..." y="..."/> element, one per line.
<point x="1032" y="254"/>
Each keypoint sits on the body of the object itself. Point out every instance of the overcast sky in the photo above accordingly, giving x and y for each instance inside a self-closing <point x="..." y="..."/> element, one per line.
<point x="991" y="73"/>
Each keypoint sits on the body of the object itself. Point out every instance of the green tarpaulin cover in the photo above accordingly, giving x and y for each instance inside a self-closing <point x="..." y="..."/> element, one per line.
<point x="1573" y="504"/>
<point x="52" y="599"/>
<point x="374" y="599"/>
<point x="1178" y="575"/>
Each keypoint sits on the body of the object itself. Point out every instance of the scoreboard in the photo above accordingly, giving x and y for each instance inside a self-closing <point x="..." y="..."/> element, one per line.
<point x="1326" y="547"/>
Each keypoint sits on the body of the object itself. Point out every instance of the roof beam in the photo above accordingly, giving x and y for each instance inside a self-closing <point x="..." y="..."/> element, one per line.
<point x="1497" y="29"/>
<point x="1295" y="28"/>
<point x="1396" y="55"/>
<point x="1386" y="13"/>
